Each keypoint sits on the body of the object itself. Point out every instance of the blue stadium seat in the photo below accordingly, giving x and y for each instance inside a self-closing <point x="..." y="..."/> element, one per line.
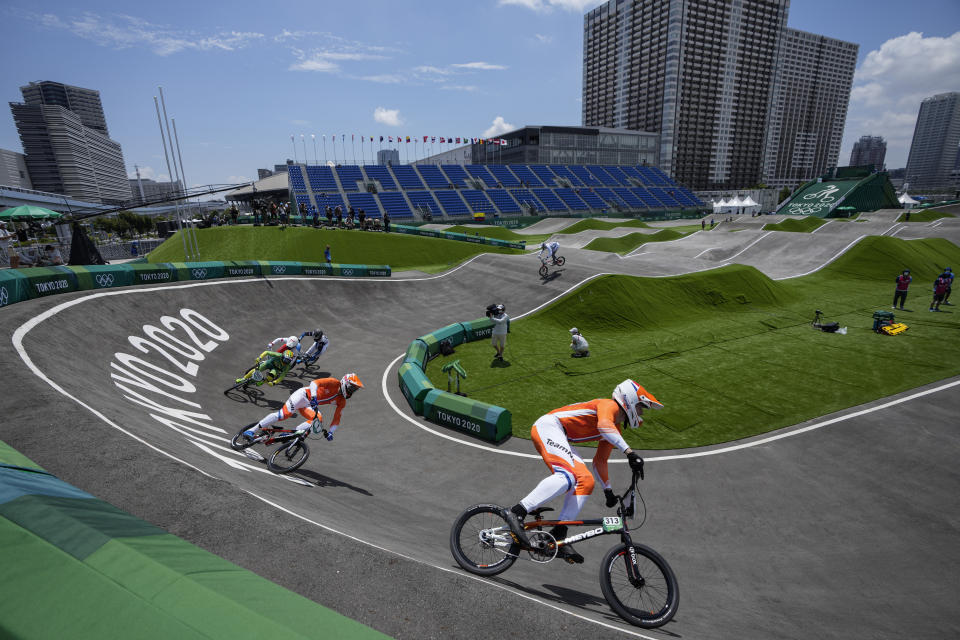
<point x="563" y="171"/>
<point x="571" y="199"/>
<point x="456" y="175"/>
<point x="420" y="199"/>
<point x="503" y="201"/>
<point x="585" y="177"/>
<point x="432" y="176"/>
<point x="451" y="202"/>
<point x="550" y="200"/>
<point x="329" y="199"/>
<point x="380" y="173"/>
<point x="629" y="197"/>
<point x="603" y="176"/>
<point x="610" y="197"/>
<point x="547" y="177"/>
<point x="395" y="204"/>
<point x="525" y="175"/>
<point x="524" y="196"/>
<point x="296" y="178"/>
<point x="407" y="177"/>
<point x="503" y="175"/>
<point x="665" y="196"/>
<point x="349" y="175"/>
<point x="481" y="172"/>
<point x="618" y="175"/>
<point x="647" y="198"/>
<point x="321" y="179"/>
<point x="631" y="172"/>
<point x="365" y="201"/>
<point x="478" y="201"/>
<point x="661" y="177"/>
<point x="592" y="199"/>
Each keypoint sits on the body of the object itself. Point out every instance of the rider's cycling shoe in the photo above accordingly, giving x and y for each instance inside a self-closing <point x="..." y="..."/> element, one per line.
<point x="516" y="527"/>
<point x="252" y="434"/>
<point x="568" y="553"/>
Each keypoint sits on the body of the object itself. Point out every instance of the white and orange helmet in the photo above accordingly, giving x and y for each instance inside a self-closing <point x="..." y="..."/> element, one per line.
<point x="633" y="398"/>
<point x="349" y="383"/>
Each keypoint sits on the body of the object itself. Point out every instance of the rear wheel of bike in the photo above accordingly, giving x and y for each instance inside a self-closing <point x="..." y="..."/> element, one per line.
<point x="560" y="261"/>
<point x="651" y="600"/>
<point x="240" y="441"/>
<point x="289" y="457"/>
<point x="544" y="271"/>
<point x="480" y="541"/>
<point x="244" y="381"/>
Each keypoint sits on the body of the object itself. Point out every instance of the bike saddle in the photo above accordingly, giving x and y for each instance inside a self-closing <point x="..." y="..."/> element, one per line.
<point x="540" y="511"/>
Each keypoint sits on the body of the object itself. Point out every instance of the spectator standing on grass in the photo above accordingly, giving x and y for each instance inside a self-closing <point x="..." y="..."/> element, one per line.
<point x="326" y="254"/>
<point x="234" y="214"/>
<point x="329" y="215"/>
<point x="316" y="217"/>
<point x="948" y="276"/>
<point x="579" y="345"/>
<point x="712" y="223"/>
<point x="903" y="283"/>
<point x="939" y="291"/>
<point x="386" y="222"/>
<point x="501" y="324"/>
<point x="703" y="224"/>
<point x="339" y="212"/>
<point x="363" y="216"/>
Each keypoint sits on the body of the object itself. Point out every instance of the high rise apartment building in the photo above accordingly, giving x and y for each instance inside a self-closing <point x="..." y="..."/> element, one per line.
<point x="934" y="153"/>
<point x="808" y="107"/>
<point x="869" y="150"/>
<point x="703" y="74"/>
<point x="67" y="145"/>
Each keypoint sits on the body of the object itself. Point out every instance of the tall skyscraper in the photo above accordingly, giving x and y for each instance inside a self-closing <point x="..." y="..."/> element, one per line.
<point x="703" y="74"/>
<point x="67" y="146"/>
<point x="936" y="137"/>
<point x="808" y="107"/>
<point x="869" y="150"/>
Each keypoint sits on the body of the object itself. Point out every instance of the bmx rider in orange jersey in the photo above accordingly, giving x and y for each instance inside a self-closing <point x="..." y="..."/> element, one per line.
<point x="553" y="434"/>
<point x="320" y="391"/>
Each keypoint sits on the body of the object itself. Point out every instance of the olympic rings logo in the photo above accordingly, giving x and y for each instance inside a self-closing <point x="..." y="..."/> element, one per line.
<point x="4" y="296"/>
<point x="105" y="279"/>
<point x="279" y="268"/>
<point x="199" y="274"/>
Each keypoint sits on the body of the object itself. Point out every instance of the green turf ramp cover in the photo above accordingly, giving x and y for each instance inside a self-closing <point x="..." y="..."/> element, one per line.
<point x="414" y="385"/>
<point x="103" y="276"/>
<point x="478" y="329"/>
<point x="417" y="354"/>
<point x="46" y="281"/>
<point x="479" y="419"/>
<point x="154" y="273"/>
<point x="14" y="287"/>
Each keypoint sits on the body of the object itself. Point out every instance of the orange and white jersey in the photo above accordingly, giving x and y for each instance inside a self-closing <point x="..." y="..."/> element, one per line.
<point x="592" y="420"/>
<point x="327" y="391"/>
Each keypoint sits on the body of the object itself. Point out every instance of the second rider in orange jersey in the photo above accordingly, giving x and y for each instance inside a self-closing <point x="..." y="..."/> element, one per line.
<point x="319" y="391"/>
<point x="553" y="434"/>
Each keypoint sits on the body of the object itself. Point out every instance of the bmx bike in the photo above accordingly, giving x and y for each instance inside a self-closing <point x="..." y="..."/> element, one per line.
<point x="263" y="371"/>
<point x="636" y="581"/>
<point x="545" y="269"/>
<point x="293" y="450"/>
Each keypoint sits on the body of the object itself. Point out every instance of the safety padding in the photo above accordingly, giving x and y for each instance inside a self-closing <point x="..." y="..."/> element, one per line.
<point x="199" y="270"/>
<point x="414" y="385"/>
<point x="103" y="276"/>
<point x="242" y="268"/>
<point x="477" y="329"/>
<point x="452" y="332"/>
<point x="486" y="421"/>
<point x="146" y="273"/>
<point x="14" y="287"/>
<point x="46" y="281"/>
<point x="280" y="268"/>
<point x="417" y="354"/>
<point x="462" y="237"/>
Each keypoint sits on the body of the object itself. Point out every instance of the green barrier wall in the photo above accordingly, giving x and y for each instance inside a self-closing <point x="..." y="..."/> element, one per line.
<point x="417" y="354"/>
<point x="479" y="419"/>
<point x="476" y="418"/>
<point x="414" y="385"/>
<point x="462" y="237"/>
<point x="17" y="285"/>
<point x="14" y="287"/>
<point x="77" y="567"/>
<point x="103" y="276"/>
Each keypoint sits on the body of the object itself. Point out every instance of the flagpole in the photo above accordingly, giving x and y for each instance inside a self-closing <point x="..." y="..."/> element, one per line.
<point x="324" y="137"/>
<point x="294" y="143"/>
<point x="335" y="161"/>
<point x="303" y="140"/>
<point x="316" y="160"/>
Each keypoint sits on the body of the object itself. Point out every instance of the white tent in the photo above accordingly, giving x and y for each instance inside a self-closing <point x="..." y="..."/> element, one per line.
<point x="750" y="202"/>
<point x="907" y="202"/>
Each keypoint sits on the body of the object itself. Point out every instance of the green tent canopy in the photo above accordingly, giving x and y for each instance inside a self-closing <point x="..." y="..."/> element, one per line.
<point x="26" y="213"/>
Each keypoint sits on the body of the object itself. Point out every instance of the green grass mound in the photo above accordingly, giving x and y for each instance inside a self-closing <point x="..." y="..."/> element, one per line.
<point x="928" y="215"/>
<point x="601" y="225"/>
<point x="500" y="233"/>
<point x="798" y="225"/>
<point x="730" y="352"/>
<point x="629" y="242"/>
<point x="399" y="251"/>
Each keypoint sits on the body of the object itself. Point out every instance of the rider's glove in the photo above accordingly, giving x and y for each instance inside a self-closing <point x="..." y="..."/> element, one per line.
<point x="636" y="463"/>
<point x="314" y="404"/>
<point x="328" y="435"/>
<point x="611" y="497"/>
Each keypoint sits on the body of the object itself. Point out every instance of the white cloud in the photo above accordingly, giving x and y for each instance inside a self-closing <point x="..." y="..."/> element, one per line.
<point x="237" y="179"/>
<point x="542" y="39"/>
<point x="890" y="84"/>
<point x="314" y="64"/>
<point x="123" y="32"/>
<point x="485" y="66"/>
<point x="389" y="117"/>
<point x="384" y="79"/>
<point x="544" y="6"/>
<point x="459" y="87"/>
<point x="498" y="127"/>
<point x="431" y="69"/>
<point x="148" y="173"/>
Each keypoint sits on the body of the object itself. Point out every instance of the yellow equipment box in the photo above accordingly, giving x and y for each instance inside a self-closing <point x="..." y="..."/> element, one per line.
<point x="894" y="329"/>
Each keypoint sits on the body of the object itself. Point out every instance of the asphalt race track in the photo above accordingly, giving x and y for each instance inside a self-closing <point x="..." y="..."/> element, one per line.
<point x="829" y="529"/>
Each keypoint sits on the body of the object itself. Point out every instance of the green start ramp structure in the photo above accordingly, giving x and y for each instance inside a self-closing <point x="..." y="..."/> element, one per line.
<point x="842" y="193"/>
<point x="77" y="567"/>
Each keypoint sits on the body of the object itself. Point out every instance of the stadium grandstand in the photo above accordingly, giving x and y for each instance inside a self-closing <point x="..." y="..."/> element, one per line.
<point x="462" y="191"/>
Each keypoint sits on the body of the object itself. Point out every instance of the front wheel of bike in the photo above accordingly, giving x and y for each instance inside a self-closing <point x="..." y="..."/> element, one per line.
<point x="289" y="457"/>
<point x="244" y="381"/>
<point x="480" y="541"/>
<point x="543" y="271"/>
<point x="649" y="600"/>
<point x="560" y="261"/>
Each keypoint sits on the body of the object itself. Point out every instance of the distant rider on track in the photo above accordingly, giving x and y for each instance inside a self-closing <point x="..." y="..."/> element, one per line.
<point x="549" y="250"/>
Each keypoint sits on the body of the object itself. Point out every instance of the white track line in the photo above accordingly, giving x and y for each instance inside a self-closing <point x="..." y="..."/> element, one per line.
<point x="888" y="230"/>
<point x="749" y="245"/>
<point x="704" y="251"/>
<point x="899" y="229"/>
<point x="820" y="227"/>
<point x="838" y="254"/>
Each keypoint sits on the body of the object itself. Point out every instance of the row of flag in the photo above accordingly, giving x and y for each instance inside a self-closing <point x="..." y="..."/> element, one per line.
<point x="416" y="139"/>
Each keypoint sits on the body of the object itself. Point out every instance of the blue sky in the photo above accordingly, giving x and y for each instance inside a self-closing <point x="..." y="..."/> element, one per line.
<point x="242" y="77"/>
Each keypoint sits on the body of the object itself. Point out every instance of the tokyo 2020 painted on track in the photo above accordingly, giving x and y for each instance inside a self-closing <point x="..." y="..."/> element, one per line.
<point x="836" y="531"/>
